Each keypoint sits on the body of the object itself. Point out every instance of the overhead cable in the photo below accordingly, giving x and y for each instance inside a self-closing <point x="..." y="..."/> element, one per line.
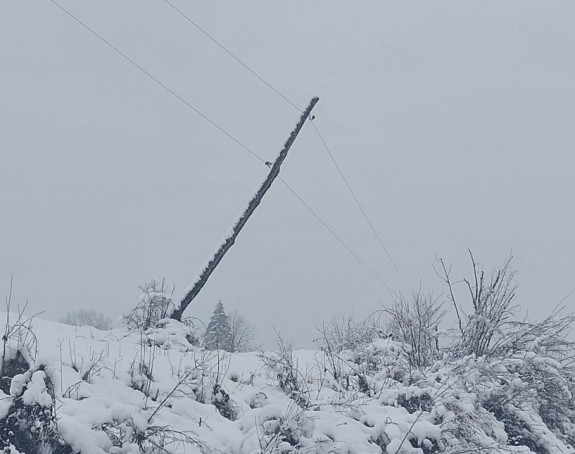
<point x="230" y="53"/>
<point x="366" y="217"/>
<point x="157" y="81"/>
<point x="336" y="236"/>
<point x="221" y="129"/>
<point x="285" y="98"/>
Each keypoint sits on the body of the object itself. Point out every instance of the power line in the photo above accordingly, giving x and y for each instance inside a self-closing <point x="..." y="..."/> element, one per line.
<point x="213" y="123"/>
<point x="285" y="98"/>
<point x="231" y="54"/>
<point x="157" y="81"/>
<point x="366" y="217"/>
<point x="566" y="296"/>
<point x="336" y="236"/>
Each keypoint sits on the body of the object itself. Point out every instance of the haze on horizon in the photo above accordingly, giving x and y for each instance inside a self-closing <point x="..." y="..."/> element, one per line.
<point x="451" y="121"/>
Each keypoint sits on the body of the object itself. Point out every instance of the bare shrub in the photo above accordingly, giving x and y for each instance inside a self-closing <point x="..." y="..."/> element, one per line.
<point x="90" y="317"/>
<point x="525" y="370"/>
<point x="153" y="305"/>
<point x="243" y="333"/>
<point x="345" y="333"/>
<point x="19" y="343"/>
<point x="142" y="368"/>
<point x="353" y="351"/>
<point x="285" y="367"/>
<point x="285" y="432"/>
<point x="536" y="371"/>
<point x="30" y="422"/>
<point x="416" y="322"/>
<point x="550" y="336"/>
<point x="492" y="304"/>
<point x="152" y="439"/>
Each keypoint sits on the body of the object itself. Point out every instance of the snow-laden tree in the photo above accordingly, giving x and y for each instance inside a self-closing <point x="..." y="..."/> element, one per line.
<point x="219" y="331"/>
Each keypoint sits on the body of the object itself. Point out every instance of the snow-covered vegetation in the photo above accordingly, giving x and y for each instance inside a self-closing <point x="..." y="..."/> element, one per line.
<point x="84" y="317"/>
<point x="394" y="384"/>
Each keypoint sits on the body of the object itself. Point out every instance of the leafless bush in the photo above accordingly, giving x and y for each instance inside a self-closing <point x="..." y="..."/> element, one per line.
<point x="87" y="318"/>
<point x="354" y="351"/>
<point x="154" y="304"/>
<point x="152" y="439"/>
<point x="142" y="368"/>
<point x="345" y="333"/>
<point x="416" y="322"/>
<point x="19" y="343"/>
<point x="549" y="336"/>
<point x="492" y="304"/>
<point x="332" y="363"/>
<point x="93" y="367"/>
<point x="536" y="370"/>
<point x="285" y="367"/>
<point x="243" y="333"/>
<point x="526" y="369"/>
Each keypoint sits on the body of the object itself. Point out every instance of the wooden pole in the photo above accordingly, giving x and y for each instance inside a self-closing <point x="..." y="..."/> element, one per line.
<point x="254" y="202"/>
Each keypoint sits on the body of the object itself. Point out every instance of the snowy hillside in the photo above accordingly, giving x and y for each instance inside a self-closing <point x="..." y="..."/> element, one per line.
<point x="68" y="389"/>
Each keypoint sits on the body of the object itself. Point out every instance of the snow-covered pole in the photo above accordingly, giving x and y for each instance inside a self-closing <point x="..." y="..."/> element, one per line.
<point x="230" y="240"/>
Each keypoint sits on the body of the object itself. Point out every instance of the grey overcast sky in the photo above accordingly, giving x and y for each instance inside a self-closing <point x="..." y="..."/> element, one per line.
<point x="451" y="120"/>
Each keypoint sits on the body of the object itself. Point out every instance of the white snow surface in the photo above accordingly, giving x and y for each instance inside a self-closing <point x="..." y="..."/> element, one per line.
<point x="105" y="397"/>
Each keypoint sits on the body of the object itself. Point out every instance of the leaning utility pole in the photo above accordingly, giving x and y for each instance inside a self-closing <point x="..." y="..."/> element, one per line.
<point x="230" y="240"/>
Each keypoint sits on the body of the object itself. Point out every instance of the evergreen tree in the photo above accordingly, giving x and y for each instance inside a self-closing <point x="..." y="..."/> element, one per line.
<point x="219" y="331"/>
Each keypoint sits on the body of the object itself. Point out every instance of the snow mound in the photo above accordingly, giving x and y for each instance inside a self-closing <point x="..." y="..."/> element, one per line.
<point x="120" y="391"/>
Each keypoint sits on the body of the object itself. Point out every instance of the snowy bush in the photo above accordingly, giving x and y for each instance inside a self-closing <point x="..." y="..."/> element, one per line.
<point x="154" y="304"/>
<point x="129" y="436"/>
<point x="30" y="424"/>
<point x="345" y="333"/>
<point x="416" y="322"/>
<point x="381" y="360"/>
<point x="285" y="433"/>
<point x="350" y="353"/>
<point x="19" y="345"/>
<point x="221" y="400"/>
<point x="28" y="420"/>
<point x="533" y="383"/>
<point x="285" y="368"/>
<point x="492" y="308"/>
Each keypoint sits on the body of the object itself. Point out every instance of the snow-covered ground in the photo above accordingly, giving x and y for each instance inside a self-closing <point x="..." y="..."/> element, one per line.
<point x="126" y="391"/>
